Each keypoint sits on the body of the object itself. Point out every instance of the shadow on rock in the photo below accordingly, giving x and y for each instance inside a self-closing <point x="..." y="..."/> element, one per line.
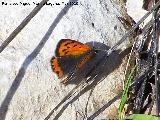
<point x="94" y="72"/>
<point x="16" y="82"/>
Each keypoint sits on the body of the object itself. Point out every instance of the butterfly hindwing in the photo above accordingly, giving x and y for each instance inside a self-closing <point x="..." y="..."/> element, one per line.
<point x="85" y="59"/>
<point x="79" y="66"/>
<point x="56" y="67"/>
<point x="68" y="64"/>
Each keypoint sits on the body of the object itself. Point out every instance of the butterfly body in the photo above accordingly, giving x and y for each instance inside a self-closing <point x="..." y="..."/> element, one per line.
<point x="70" y="57"/>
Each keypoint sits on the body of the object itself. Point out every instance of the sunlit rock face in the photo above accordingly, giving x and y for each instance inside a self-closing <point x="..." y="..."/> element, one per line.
<point x="28" y="87"/>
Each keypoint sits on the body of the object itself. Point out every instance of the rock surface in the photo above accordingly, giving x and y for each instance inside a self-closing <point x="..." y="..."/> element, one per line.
<point x="28" y="87"/>
<point x="134" y="9"/>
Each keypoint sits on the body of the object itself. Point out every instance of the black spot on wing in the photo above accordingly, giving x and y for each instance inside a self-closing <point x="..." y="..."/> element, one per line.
<point x="52" y="64"/>
<point x="52" y="59"/>
<point x="74" y="45"/>
<point x="68" y="41"/>
<point x="64" y="50"/>
<point x="53" y="68"/>
<point x="57" y="72"/>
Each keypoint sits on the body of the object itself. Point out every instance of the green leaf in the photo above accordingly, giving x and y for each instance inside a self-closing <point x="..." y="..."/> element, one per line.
<point x="142" y="117"/>
<point x="125" y="93"/>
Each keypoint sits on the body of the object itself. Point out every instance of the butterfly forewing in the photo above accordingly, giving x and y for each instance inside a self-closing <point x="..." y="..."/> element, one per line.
<point x="67" y="47"/>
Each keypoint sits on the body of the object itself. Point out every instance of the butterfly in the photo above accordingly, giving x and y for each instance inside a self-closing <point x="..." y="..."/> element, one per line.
<point x="70" y="57"/>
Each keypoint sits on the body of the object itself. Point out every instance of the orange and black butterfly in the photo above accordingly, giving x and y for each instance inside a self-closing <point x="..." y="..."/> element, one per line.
<point x="70" y="57"/>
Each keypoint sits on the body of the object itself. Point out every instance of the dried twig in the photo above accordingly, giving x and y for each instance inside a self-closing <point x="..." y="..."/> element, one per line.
<point x="131" y="31"/>
<point x="156" y="43"/>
